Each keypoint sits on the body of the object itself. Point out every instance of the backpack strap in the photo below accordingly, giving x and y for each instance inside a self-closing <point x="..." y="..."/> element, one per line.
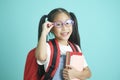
<point x="47" y="74"/>
<point x="54" y="60"/>
<point x="74" y="47"/>
<point x="41" y="71"/>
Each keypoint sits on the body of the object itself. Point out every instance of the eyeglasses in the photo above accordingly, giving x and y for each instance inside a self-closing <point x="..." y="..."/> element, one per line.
<point x="67" y="23"/>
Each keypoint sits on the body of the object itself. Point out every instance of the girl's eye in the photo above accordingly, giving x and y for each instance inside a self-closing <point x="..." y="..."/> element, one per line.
<point x="68" y="22"/>
<point x="58" y="24"/>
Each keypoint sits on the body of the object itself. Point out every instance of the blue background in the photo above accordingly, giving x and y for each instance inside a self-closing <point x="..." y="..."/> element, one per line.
<point x="99" y="27"/>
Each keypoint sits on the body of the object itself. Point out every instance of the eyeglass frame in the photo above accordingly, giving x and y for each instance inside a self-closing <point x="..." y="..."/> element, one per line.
<point x="63" y="23"/>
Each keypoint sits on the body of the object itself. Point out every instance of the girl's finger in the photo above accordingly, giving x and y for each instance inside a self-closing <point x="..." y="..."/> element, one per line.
<point x="49" y="25"/>
<point x="68" y="67"/>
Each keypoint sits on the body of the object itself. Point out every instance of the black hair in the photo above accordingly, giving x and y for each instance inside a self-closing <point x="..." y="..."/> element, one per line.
<point x="74" y="38"/>
<point x="42" y="20"/>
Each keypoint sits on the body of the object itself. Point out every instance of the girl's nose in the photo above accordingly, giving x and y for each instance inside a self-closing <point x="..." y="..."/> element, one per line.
<point x="64" y="27"/>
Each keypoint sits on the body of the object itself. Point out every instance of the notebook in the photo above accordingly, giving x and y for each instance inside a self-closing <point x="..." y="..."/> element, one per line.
<point x="76" y="60"/>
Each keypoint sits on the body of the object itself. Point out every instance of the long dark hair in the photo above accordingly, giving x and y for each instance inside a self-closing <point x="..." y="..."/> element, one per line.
<point x="74" y="38"/>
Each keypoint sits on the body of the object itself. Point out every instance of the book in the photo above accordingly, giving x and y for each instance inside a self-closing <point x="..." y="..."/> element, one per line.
<point x="76" y="60"/>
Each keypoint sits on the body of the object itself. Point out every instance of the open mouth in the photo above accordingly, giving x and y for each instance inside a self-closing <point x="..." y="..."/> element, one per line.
<point x="65" y="34"/>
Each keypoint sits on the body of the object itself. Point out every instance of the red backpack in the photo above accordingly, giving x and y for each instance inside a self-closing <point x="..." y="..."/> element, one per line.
<point x="33" y="71"/>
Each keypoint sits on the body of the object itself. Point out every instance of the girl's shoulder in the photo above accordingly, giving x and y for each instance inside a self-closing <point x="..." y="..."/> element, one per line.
<point x="75" y="45"/>
<point x="79" y="49"/>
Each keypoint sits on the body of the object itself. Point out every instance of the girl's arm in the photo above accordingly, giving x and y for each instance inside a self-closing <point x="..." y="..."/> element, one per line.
<point x="41" y="49"/>
<point x="83" y="75"/>
<point x="73" y="73"/>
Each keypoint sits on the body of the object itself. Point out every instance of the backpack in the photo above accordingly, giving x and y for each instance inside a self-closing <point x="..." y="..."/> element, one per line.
<point x="33" y="71"/>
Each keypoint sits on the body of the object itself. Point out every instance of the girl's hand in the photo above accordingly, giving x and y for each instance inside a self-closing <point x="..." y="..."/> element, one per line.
<point x="69" y="72"/>
<point x="46" y="27"/>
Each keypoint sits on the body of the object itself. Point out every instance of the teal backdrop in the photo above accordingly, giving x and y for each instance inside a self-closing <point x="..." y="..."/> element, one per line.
<point x="99" y="27"/>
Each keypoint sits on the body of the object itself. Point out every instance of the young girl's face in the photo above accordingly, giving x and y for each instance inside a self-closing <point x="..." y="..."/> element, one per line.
<point x="62" y="27"/>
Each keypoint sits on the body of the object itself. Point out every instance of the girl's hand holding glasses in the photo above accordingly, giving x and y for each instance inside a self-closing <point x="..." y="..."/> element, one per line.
<point x="46" y="27"/>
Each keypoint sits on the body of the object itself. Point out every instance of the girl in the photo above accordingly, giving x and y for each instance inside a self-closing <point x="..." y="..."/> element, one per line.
<point x="63" y="25"/>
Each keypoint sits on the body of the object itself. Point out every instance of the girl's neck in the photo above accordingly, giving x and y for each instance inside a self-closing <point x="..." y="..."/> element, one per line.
<point x="63" y="42"/>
